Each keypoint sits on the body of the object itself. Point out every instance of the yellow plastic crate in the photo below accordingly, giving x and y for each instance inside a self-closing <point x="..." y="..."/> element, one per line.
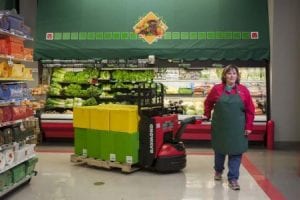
<point x="81" y="117"/>
<point x="99" y="118"/>
<point x="124" y="119"/>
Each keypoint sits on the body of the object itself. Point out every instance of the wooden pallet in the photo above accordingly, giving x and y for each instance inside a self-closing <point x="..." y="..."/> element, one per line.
<point x="125" y="168"/>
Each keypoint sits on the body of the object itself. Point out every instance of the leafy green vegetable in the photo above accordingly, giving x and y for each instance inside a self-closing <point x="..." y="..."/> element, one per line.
<point x="78" y="102"/>
<point x="104" y="75"/>
<point x="133" y="76"/>
<point x="69" y="103"/>
<point x="70" y="77"/>
<point x="52" y="102"/>
<point x="55" y="89"/>
<point x="73" y="90"/>
<point x="58" y="75"/>
<point x="106" y="87"/>
<point x="93" y="91"/>
<point x="90" y="102"/>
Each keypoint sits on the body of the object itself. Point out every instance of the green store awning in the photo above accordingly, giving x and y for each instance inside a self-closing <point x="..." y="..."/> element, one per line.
<point x="190" y="29"/>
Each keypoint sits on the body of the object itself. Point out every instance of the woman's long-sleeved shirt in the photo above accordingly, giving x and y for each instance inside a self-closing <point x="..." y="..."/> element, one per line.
<point x="217" y="91"/>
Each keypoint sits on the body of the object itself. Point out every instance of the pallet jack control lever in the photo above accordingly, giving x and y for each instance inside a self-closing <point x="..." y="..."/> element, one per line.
<point x="183" y="124"/>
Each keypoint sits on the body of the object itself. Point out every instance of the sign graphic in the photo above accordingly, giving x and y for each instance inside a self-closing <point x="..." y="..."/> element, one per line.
<point x="49" y="36"/>
<point x="150" y="28"/>
<point x="254" y="35"/>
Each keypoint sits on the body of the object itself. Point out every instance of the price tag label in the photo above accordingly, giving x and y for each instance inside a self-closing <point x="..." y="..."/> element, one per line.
<point x="112" y="157"/>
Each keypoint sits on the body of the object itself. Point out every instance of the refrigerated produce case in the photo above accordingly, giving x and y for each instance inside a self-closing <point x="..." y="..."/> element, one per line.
<point x="188" y="85"/>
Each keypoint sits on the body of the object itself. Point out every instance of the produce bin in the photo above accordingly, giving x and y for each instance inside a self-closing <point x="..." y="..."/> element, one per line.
<point x="99" y="118"/>
<point x="107" y="146"/>
<point x="30" y="165"/>
<point x="80" y="141"/>
<point x="126" y="147"/>
<point x="81" y="117"/>
<point x="93" y="143"/>
<point x="124" y="119"/>
<point x="18" y="173"/>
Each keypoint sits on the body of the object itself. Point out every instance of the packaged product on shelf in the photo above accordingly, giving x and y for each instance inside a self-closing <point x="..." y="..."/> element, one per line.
<point x="8" y="137"/>
<point x="27" y="73"/>
<point x="17" y="71"/>
<point x="4" y="69"/>
<point x="16" y="132"/>
<point x="19" y="154"/>
<point x="16" y="22"/>
<point x="7" y="113"/>
<point x="9" y="157"/>
<point x="11" y="91"/>
<point x="4" y="23"/>
<point x="19" y="112"/>
<point x="2" y="162"/>
<point x="2" y="139"/>
<point x="28" y="54"/>
<point x="3" y="49"/>
<point x="26" y="30"/>
<point x="1" y="115"/>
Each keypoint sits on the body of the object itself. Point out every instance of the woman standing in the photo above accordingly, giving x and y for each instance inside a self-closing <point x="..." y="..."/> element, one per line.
<point x="232" y="122"/>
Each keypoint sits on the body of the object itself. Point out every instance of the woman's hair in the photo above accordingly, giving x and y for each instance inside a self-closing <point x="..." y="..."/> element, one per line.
<point x="227" y="69"/>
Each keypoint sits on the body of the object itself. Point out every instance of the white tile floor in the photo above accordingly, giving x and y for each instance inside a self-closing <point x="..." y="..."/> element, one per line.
<point x="59" y="179"/>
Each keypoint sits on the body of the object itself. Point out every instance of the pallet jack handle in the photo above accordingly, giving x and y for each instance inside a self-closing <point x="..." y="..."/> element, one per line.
<point x="183" y="124"/>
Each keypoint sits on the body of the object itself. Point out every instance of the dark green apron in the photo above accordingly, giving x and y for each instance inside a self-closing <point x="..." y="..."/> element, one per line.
<point x="228" y="125"/>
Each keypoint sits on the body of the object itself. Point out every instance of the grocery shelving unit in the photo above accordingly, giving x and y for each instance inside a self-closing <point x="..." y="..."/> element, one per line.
<point x="16" y="144"/>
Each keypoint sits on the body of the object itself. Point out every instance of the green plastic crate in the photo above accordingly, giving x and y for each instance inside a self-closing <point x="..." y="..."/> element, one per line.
<point x="18" y="173"/>
<point x="107" y="146"/>
<point x="5" y="179"/>
<point x="30" y="165"/>
<point x="126" y="147"/>
<point x="80" y="141"/>
<point x="93" y="143"/>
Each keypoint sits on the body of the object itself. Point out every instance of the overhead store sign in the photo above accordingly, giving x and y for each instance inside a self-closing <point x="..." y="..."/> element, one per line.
<point x="150" y="28"/>
<point x="191" y="29"/>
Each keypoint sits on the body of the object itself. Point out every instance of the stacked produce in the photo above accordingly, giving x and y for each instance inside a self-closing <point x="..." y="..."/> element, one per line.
<point x="92" y="86"/>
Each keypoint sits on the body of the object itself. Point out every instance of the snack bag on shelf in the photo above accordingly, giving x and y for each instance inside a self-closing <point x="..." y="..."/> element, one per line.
<point x="1" y="115"/>
<point x="7" y="113"/>
<point x="28" y="53"/>
<point x="16" y="71"/>
<point x="4" y="70"/>
<point x="27" y="73"/>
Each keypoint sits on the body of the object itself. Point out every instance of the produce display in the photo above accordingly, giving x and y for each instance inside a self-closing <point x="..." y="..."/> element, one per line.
<point x="92" y="86"/>
<point x="190" y="87"/>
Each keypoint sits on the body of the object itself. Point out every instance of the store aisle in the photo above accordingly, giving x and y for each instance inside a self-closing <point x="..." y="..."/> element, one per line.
<point x="59" y="179"/>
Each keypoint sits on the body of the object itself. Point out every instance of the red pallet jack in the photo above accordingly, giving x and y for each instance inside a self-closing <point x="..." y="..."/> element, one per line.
<point x="161" y="148"/>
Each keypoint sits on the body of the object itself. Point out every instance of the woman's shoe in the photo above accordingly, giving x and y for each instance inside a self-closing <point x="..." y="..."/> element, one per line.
<point x="234" y="185"/>
<point x="218" y="176"/>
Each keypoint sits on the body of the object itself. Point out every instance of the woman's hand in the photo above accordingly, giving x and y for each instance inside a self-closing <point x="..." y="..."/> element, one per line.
<point x="247" y="132"/>
<point x="204" y="118"/>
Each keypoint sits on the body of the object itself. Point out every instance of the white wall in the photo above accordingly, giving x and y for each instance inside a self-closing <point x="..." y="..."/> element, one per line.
<point x="285" y="68"/>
